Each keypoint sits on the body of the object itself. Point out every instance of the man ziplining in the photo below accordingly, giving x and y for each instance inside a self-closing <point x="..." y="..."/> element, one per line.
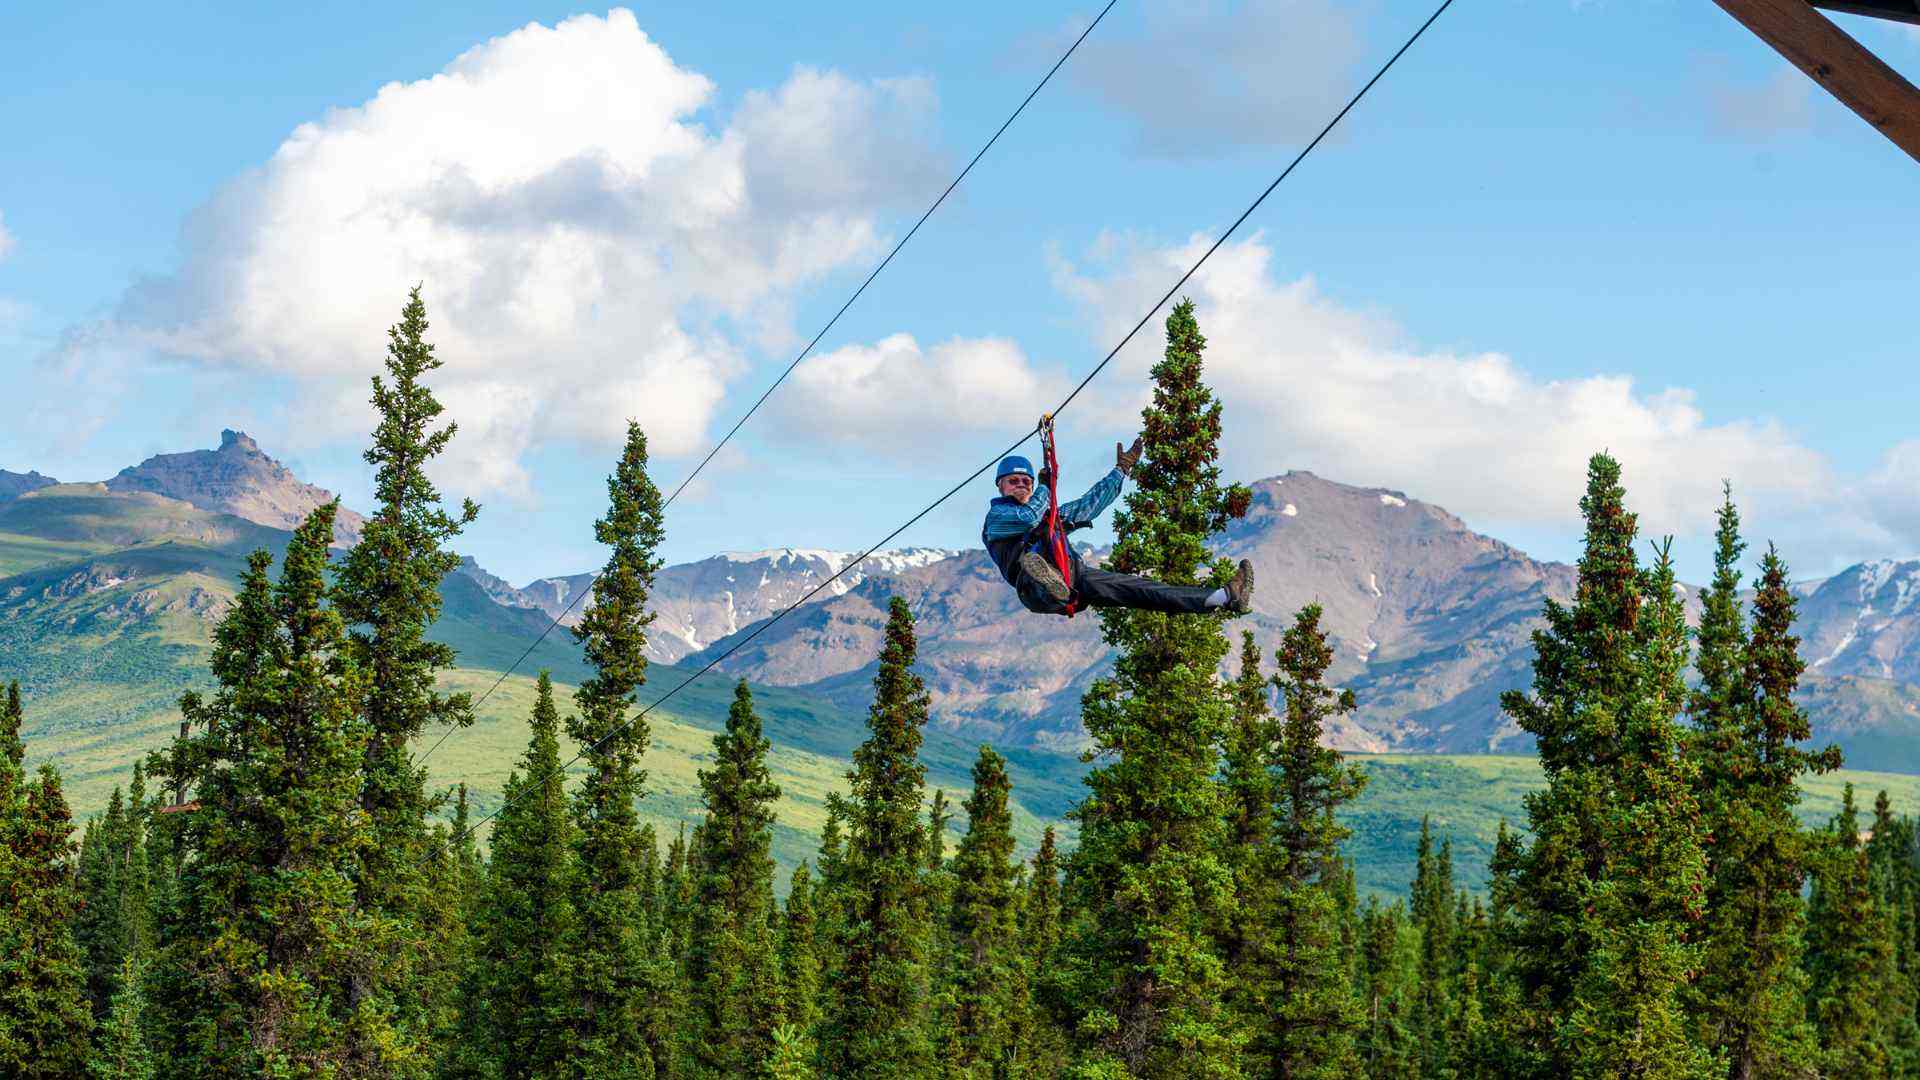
<point x="1022" y="545"/>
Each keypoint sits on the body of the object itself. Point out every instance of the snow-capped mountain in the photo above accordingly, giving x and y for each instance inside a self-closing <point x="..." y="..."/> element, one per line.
<point x="1864" y="621"/>
<point x="699" y="602"/>
<point x="1430" y="621"/>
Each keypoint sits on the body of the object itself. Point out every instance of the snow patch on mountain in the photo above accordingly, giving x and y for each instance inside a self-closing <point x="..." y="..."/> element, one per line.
<point x="880" y="562"/>
<point x="1885" y="589"/>
<point x="1392" y="500"/>
<point x="822" y="562"/>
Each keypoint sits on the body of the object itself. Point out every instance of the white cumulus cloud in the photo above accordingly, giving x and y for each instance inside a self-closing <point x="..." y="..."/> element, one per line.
<point x="1889" y="496"/>
<point x="1311" y="384"/>
<point x="6" y="238"/>
<point x="899" y="394"/>
<point x="593" y="245"/>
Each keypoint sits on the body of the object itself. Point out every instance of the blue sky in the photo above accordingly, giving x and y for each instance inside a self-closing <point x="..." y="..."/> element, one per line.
<point x="1554" y="227"/>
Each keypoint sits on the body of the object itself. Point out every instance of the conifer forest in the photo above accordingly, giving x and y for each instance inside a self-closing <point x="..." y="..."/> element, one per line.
<point x="279" y="892"/>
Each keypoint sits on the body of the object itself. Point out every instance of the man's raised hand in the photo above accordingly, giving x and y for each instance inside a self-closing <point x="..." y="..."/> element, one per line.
<point x="1125" y="459"/>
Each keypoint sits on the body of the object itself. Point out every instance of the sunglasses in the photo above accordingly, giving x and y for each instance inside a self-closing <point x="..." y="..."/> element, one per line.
<point x="1017" y="480"/>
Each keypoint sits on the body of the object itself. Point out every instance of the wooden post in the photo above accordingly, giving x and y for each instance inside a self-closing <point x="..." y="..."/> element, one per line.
<point x="1860" y="80"/>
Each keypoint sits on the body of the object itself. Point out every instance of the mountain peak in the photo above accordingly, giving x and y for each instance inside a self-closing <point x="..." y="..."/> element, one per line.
<point x="13" y="484"/>
<point x="239" y="479"/>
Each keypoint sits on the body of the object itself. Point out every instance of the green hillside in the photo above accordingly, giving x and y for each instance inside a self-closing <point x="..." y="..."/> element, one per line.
<point x="105" y="616"/>
<point x="104" y="619"/>
<point x="1468" y="795"/>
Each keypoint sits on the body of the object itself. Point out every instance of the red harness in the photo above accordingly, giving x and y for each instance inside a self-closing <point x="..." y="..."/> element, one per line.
<point x="1056" y="538"/>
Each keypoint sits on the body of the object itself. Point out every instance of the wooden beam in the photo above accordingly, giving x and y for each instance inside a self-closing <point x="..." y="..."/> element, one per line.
<point x="1906" y="11"/>
<point x="1860" y="80"/>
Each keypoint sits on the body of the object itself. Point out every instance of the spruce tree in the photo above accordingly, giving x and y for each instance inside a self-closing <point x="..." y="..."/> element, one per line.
<point x="1251" y="797"/>
<point x="1750" y="994"/>
<point x="268" y="962"/>
<point x="44" y="1016"/>
<point x="1312" y="1017"/>
<point x="1606" y="899"/>
<point x="677" y="877"/>
<point x="1388" y="1045"/>
<point x="939" y="819"/>
<point x="1433" y="911"/>
<point x="830" y="895"/>
<point x="1040" y="934"/>
<point x="876" y="1025"/>
<point x="460" y="841"/>
<point x="525" y="919"/>
<point x="990" y="986"/>
<point x="1850" y="953"/>
<point x="1040" y="909"/>
<point x="1149" y="873"/>
<point x="388" y="591"/>
<point x="731" y="963"/>
<point x="136" y="860"/>
<point x="939" y="885"/>
<point x="1891" y="870"/>
<point x="102" y="929"/>
<point x="649" y="872"/>
<point x="800" y="984"/>
<point x="122" y="1051"/>
<point x="615" y="976"/>
<point x="12" y="715"/>
<point x="165" y="850"/>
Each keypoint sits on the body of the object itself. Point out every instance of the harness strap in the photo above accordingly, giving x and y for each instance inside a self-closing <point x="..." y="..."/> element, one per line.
<point x="1056" y="538"/>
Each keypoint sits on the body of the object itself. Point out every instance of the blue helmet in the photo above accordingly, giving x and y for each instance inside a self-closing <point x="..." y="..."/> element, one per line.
<point x="1013" y="466"/>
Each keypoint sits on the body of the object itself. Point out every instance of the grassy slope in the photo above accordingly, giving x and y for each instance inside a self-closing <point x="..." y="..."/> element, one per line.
<point x="104" y="666"/>
<point x="1468" y="795"/>
<point x="103" y="626"/>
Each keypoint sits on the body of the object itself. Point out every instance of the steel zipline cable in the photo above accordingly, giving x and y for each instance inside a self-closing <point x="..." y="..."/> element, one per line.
<point x="775" y="385"/>
<point x="768" y="392"/>
<point x="1016" y="444"/>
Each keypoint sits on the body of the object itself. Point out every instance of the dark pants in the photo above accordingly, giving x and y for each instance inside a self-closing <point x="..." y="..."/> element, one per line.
<point x="1096" y="588"/>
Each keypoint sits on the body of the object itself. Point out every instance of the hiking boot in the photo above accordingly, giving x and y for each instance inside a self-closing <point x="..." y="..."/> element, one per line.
<point x="1046" y="575"/>
<point x="1240" y="589"/>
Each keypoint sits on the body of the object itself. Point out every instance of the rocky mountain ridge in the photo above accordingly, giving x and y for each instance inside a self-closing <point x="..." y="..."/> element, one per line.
<point x="1430" y="620"/>
<point x="236" y="478"/>
<point x="700" y="602"/>
<point x="13" y="484"/>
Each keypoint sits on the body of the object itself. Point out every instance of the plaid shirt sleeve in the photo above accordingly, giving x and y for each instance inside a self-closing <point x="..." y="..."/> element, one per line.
<point x="1084" y="509"/>
<point x="1007" y="518"/>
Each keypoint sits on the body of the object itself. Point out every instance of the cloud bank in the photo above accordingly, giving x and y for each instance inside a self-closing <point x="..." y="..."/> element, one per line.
<point x="1309" y="383"/>
<point x="592" y="247"/>
<point x="904" y="398"/>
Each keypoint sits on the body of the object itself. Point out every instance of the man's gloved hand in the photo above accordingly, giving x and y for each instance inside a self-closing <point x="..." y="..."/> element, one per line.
<point x="1046" y="477"/>
<point x="1126" y="459"/>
